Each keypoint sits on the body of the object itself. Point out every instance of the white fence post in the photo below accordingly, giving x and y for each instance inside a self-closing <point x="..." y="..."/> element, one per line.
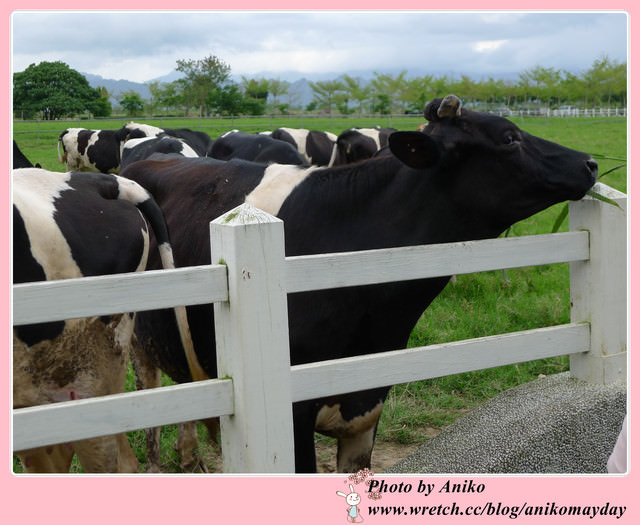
<point x="599" y="287"/>
<point x="253" y="343"/>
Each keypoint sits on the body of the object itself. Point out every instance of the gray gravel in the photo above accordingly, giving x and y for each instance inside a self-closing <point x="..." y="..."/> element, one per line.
<point x="556" y="424"/>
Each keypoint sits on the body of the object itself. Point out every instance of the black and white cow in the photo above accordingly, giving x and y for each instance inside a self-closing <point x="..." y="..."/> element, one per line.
<point x="357" y="144"/>
<point x="90" y="150"/>
<point x="142" y="148"/>
<point x="316" y="146"/>
<point x="467" y="176"/>
<point x="199" y="141"/>
<point x="69" y="225"/>
<point x="255" y="147"/>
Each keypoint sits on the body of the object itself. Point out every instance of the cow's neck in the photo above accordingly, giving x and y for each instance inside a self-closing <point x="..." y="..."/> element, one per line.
<point x="379" y="204"/>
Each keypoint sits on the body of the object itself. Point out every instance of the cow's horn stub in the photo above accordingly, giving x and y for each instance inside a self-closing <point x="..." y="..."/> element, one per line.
<point x="447" y="107"/>
<point x="450" y="107"/>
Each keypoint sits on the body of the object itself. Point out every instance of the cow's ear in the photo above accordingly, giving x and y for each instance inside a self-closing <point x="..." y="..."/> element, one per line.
<point x="414" y="148"/>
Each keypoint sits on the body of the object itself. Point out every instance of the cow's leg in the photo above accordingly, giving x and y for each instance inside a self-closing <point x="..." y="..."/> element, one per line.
<point x="303" y="438"/>
<point x="187" y="447"/>
<point x="127" y="460"/>
<point x="354" y="452"/>
<point x="107" y="348"/>
<point x="354" y="425"/>
<point x="54" y="459"/>
<point x="213" y="426"/>
<point x="106" y="454"/>
<point x="147" y="376"/>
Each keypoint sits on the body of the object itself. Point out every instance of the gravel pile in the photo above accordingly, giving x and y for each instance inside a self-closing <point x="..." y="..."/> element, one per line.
<point x="556" y="424"/>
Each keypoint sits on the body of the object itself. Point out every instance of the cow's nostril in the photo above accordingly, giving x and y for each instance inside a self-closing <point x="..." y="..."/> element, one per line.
<point x="593" y="166"/>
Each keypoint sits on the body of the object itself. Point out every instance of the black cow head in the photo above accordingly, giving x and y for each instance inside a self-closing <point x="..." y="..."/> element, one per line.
<point x="490" y="167"/>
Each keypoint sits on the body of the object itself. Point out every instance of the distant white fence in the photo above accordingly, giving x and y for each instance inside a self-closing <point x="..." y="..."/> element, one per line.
<point x="568" y="112"/>
<point x="249" y="296"/>
<point x="214" y="125"/>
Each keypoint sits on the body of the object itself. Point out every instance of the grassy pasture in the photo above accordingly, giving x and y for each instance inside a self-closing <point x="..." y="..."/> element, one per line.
<point x="476" y="305"/>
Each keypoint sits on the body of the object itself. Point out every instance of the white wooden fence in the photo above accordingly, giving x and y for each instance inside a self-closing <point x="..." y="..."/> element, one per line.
<point x="249" y="295"/>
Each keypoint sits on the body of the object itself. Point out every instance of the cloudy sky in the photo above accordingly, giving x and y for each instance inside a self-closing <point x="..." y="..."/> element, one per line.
<point x="141" y="46"/>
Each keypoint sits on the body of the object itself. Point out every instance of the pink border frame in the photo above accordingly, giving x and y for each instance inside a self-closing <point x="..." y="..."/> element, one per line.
<point x="287" y="499"/>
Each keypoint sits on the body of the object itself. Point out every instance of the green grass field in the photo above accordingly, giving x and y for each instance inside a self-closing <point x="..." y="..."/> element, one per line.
<point x="476" y="305"/>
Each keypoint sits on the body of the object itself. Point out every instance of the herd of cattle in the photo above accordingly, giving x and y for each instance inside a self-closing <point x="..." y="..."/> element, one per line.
<point x="465" y="175"/>
<point x="110" y="151"/>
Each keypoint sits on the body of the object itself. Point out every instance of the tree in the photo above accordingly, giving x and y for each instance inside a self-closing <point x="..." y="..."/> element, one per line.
<point x="356" y="90"/>
<point x="416" y="93"/>
<point x="132" y="103"/>
<point x="278" y="87"/>
<point x="388" y="88"/>
<point x="53" y="90"/>
<point x="256" y="92"/>
<point x="605" y="81"/>
<point x="230" y="100"/>
<point x="201" y="78"/>
<point x="326" y="92"/>
<point x="101" y="107"/>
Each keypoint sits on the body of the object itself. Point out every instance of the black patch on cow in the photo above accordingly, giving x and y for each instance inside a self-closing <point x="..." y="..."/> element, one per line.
<point x="96" y="224"/>
<point x="198" y="140"/>
<point x="105" y="152"/>
<point x="83" y="140"/>
<point x="25" y="270"/>
<point x="318" y="147"/>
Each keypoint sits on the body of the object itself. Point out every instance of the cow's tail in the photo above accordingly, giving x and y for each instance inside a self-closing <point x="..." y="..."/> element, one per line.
<point x="61" y="158"/>
<point x="334" y="154"/>
<point x="130" y="190"/>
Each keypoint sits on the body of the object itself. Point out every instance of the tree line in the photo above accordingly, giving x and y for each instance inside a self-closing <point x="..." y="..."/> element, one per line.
<point x="53" y="90"/>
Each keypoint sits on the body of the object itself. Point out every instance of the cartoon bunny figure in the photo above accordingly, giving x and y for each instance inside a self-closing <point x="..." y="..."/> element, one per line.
<point x="353" y="512"/>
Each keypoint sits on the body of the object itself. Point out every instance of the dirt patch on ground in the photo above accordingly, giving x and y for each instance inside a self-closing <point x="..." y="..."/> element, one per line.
<point x="385" y="453"/>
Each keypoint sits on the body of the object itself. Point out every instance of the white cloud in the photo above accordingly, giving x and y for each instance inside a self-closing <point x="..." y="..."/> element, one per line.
<point x="143" y="45"/>
<point x="488" y="45"/>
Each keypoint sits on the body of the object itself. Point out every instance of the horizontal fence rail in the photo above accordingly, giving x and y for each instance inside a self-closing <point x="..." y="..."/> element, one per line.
<point x="352" y="374"/>
<point x="316" y="272"/>
<point x="134" y="292"/>
<point x="100" y="416"/>
<point x="71" y="298"/>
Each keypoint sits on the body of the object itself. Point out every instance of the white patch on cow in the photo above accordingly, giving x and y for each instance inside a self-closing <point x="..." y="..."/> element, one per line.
<point x="132" y="143"/>
<point x="131" y="191"/>
<point x="276" y="185"/>
<point x="34" y="194"/>
<point x="229" y="133"/>
<point x="372" y="133"/>
<point x="166" y="255"/>
<point x="334" y="154"/>
<point x="300" y="138"/>
<point x="330" y="421"/>
<point x="354" y="452"/>
<point x="149" y="131"/>
<point x="187" y="151"/>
